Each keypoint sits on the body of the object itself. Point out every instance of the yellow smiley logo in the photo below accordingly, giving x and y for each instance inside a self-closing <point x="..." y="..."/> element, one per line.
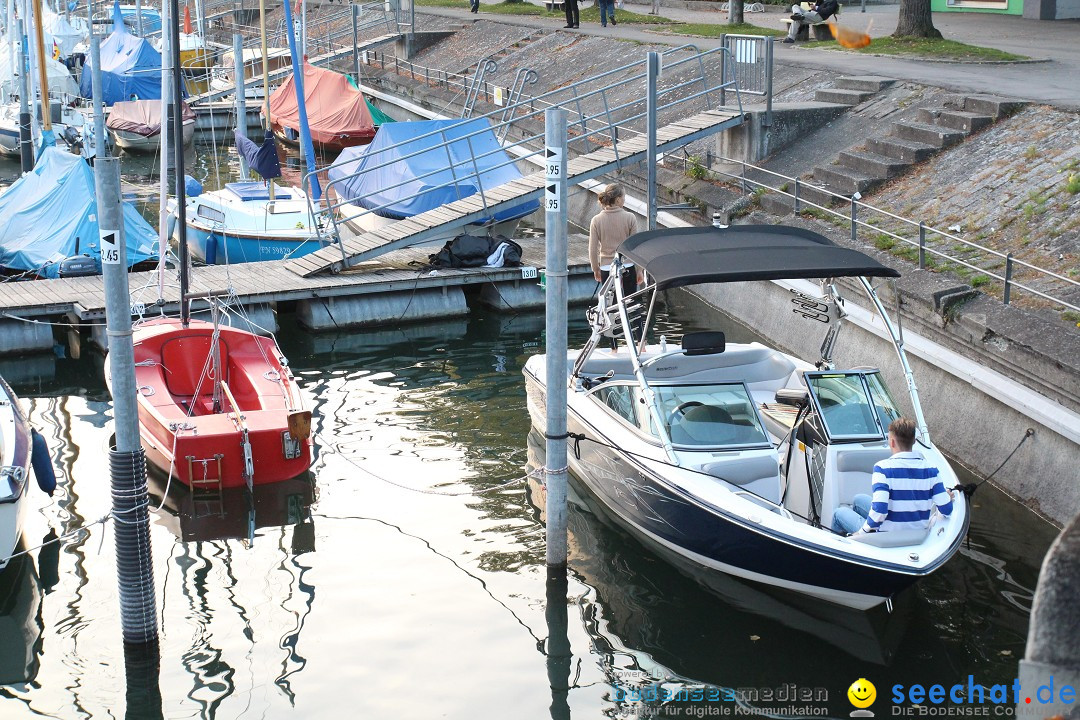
<point x="862" y="693"/>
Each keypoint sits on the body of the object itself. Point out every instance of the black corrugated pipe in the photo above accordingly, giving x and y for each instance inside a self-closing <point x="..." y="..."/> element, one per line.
<point x="142" y="665"/>
<point x="135" y="573"/>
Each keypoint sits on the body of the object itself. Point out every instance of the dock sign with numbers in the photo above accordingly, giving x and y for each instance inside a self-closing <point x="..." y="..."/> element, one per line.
<point x="110" y="248"/>
<point x="553" y="159"/>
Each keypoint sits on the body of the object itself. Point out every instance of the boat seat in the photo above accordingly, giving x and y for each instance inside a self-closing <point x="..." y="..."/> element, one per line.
<point x="759" y="474"/>
<point x="183" y="360"/>
<point x="892" y="538"/>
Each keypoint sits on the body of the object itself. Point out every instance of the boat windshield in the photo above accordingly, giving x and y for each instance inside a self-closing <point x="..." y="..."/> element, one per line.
<point x="716" y="415"/>
<point x="853" y="405"/>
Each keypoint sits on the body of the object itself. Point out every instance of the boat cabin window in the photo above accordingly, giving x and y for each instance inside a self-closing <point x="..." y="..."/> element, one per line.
<point x="716" y="415"/>
<point x="621" y="400"/>
<point x="853" y="405"/>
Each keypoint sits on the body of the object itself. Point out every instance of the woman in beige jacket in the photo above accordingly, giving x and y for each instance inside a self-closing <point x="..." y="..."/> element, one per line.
<point x="608" y="229"/>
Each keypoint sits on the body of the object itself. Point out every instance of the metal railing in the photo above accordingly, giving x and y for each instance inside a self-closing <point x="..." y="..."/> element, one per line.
<point x="920" y="239"/>
<point x="597" y="109"/>
<point x="752" y="57"/>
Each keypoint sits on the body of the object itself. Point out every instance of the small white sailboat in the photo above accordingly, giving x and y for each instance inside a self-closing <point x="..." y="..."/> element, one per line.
<point x="20" y="449"/>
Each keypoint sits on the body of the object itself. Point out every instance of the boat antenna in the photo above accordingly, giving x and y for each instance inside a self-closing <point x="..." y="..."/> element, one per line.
<point x="178" y="150"/>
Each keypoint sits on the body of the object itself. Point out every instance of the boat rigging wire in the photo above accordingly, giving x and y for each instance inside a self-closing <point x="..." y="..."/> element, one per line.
<point x="327" y="445"/>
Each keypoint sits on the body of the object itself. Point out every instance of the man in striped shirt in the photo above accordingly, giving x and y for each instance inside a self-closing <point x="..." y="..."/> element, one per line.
<point x="905" y="490"/>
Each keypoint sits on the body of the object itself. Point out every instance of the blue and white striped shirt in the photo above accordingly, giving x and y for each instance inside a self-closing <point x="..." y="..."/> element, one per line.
<point x="905" y="490"/>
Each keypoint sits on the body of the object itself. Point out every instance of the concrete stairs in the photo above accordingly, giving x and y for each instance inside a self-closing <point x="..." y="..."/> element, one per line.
<point x="861" y="169"/>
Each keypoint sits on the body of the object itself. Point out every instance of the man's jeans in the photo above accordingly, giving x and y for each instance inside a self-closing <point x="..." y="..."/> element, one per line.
<point x="607" y="10"/>
<point x="849" y="519"/>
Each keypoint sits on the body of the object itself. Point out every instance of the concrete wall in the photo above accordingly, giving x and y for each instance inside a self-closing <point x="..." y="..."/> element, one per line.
<point x="964" y="421"/>
<point x="753" y="141"/>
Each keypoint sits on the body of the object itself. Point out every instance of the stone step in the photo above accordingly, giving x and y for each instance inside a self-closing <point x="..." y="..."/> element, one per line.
<point x="864" y="83"/>
<point x="845" y="180"/>
<point x="873" y="164"/>
<point x="965" y="122"/>
<point x="992" y="105"/>
<point x="842" y="97"/>
<point x="934" y="135"/>
<point x="906" y="150"/>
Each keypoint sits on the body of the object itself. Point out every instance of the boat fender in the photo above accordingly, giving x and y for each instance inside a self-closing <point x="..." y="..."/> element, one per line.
<point x="42" y="462"/>
<point x="192" y="187"/>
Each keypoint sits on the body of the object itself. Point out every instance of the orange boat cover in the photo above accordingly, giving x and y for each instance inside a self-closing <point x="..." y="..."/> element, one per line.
<point x="335" y="109"/>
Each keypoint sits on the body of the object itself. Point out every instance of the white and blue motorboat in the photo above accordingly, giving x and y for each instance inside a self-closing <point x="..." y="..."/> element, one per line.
<point x="241" y="223"/>
<point x="732" y="458"/>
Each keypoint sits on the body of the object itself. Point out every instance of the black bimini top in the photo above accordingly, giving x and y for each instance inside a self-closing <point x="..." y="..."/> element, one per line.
<point x="691" y="256"/>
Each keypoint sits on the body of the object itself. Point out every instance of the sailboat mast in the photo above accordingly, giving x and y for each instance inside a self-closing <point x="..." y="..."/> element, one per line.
<point x="266" y="76"/>
<point x="178" y="150"/>
<point x="163" y="205"/>
<point x="298" y="84"/>
<point x="43" y="74"/>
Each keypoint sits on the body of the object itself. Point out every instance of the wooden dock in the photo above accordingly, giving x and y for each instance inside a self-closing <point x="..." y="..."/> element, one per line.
<point x="358" y="247"/>
<point x="83" y="298"/>
<point x="278" y="75"/>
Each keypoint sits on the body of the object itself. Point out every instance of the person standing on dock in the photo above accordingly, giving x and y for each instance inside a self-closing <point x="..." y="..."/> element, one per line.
<point x="607" y="231"/>
<point x="571" y="9"/>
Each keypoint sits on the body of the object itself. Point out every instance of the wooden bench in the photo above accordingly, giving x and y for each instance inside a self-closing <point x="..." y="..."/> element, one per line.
<point x="821" y="29"/>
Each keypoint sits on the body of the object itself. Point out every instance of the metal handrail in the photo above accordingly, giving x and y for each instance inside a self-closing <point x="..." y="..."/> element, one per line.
<point x="528" y="144"/>
<point x="1007" y="279"/>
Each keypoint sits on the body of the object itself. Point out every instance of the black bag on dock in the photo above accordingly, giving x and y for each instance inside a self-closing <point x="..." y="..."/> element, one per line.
<point x="470" y="251"/>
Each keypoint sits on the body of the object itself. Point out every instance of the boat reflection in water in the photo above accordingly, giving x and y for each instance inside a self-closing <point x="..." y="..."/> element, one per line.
<point x="644" y="604"/>
<point x="236" y="513"/>
<point x="20" y="617"/>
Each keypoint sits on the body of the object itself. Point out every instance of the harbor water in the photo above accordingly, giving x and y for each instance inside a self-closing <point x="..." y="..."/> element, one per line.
<point x="404" y="576"/>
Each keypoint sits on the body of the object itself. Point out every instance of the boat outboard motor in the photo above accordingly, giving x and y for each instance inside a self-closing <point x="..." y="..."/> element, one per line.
<point x="42" y="462"/>
<point x="79" y="266"/>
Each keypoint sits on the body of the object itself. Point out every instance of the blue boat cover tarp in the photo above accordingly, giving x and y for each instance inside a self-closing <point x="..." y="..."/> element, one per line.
<point x="408" y="186"/>
<point x="50" y="214"/>
<point x="130" y="70"/>
<point x="263" y="158"/>
<point x="253" y="191"/>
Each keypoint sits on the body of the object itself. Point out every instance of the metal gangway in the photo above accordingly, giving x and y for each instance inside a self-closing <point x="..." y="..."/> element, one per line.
<point x="606" y="131"/>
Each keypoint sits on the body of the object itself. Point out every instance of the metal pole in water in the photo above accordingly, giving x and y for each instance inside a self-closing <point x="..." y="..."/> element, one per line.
<point x="555" y="471"/>
<point x="138" y="18"/>
<point x="163" y="201"/>
<point x="650" y="157"/>
<point x="26" y="145"/>
<point x="559" y="656"/>
<point x="127" y="464"/>
<point x="241" y="104"/>
<point x="355" y="51"/>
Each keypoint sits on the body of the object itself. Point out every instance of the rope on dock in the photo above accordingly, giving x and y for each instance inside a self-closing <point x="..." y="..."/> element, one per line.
<point x="424" y="491"/>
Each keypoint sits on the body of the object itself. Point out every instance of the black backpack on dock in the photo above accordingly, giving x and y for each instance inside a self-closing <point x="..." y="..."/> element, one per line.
<point x="470" y="251"/>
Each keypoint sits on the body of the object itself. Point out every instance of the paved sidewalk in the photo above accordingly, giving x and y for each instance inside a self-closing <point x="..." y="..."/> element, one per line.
<point x="1055" y="81"/>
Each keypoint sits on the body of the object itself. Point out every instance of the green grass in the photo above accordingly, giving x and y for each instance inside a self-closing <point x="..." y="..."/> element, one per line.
<point x="718" y="29"/>
<point x="980" y="280"/>
<point x="591" y="14"/>
<point x="924" y="48"/>
<point x="884" y="242"/>
<point x="1072" y="185"/>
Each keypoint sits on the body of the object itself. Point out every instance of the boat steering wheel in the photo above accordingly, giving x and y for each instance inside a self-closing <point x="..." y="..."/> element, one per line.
<point x="682" y="408"/>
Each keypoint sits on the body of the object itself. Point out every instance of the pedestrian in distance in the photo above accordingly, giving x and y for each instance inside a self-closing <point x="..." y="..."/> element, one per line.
<point x="607" y="12"/>
<point x="474" y="5"/>
<point x="570" y="7"/>
<point x="820" y="12"/>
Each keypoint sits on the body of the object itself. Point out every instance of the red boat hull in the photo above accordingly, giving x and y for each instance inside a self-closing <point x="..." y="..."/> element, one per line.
<point x="182" y="433"/>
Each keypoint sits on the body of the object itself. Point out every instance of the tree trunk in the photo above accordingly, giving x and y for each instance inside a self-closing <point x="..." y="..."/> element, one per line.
<point x="915" y="20"/>
<point x="735" y="15"/>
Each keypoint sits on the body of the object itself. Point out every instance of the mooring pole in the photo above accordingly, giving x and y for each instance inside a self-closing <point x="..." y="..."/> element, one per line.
<point x="355" y="50"/>
<point x="127" y="464"/>
<point x="26" y="143"/>
<point x="555" y="229"/>
<point x="138" y="18"/>
<point x="1052" y="659"/>
<point x="241" y="101"/>
<point x="652" y="74"/>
